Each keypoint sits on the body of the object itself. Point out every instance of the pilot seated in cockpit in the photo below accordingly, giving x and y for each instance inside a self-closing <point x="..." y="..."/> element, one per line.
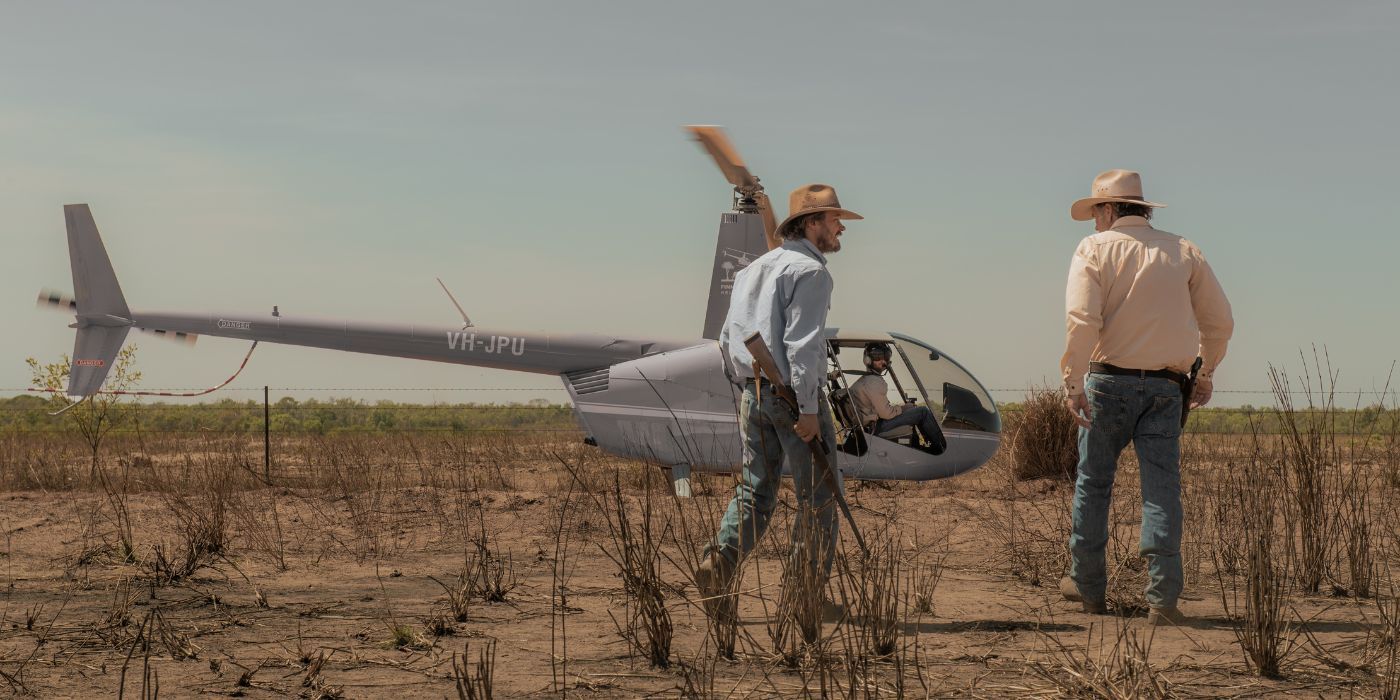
<point x="879" y="416"/>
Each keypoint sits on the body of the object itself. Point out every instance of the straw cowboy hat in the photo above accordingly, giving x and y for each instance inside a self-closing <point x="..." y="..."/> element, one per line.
<point x="1111" y="186"/>
<point x="809" y="199"/>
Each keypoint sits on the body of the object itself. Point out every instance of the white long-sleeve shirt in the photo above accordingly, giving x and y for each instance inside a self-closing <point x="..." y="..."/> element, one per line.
<point x="784" y="295"/>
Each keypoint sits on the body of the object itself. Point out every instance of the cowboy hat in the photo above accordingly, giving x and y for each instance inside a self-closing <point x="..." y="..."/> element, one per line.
<point x="1111" y="186"/>
<point x="809" y="199"/>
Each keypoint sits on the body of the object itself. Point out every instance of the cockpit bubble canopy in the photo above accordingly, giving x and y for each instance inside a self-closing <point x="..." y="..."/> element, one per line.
<point x="960" y="401"/>
<point x="921" y="371"/>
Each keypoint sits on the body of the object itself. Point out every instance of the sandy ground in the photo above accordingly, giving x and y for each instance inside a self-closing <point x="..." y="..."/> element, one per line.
<point x="75" y="617"/>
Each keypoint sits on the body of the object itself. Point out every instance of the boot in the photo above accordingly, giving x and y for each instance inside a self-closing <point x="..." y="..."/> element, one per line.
<point x="712" y="580"/>
<point x="1070" y="590"/>
<point x="1161" y="617"/>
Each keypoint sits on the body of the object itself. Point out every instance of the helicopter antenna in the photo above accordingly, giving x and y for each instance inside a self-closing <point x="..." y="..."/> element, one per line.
<point x="749" y="197"/>
<point x="466" y="322"/>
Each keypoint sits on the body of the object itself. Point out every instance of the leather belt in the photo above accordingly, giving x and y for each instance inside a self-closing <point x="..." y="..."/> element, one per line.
<point x="1105" y="368"/>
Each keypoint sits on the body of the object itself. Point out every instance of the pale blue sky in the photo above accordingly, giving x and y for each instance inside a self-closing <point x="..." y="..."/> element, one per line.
<point x="333" y="158"/>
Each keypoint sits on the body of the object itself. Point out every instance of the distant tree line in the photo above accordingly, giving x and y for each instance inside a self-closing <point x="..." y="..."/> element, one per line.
<point x="1370" y="420"/>
<point x="288" y="415"/>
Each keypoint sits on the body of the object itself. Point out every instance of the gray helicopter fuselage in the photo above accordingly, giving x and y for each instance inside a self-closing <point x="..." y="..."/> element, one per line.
<point x="679" y="407"/>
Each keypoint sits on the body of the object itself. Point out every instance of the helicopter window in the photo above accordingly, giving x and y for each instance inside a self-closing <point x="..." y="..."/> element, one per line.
<point x="900" y="388"/>
<point x="954" y="395"/>
<point x="897" y="382"/>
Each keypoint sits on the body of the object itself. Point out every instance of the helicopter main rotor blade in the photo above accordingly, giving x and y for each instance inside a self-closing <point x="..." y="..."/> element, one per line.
<point x="770" y="223"/>
<point x="717" y="144"/>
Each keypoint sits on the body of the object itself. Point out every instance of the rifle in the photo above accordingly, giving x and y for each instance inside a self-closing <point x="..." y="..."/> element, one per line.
<point x="767" y="367"/>
<point x="1188" y="388"/>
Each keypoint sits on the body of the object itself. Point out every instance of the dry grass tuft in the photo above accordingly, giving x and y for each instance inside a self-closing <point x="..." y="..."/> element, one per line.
<point x="1044" y="438"/>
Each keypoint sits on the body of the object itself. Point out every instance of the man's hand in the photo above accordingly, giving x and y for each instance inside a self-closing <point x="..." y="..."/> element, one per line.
<point x="807" y="427"/>
<point x="1200" y="396"/>
<point x="1078" y="406"/>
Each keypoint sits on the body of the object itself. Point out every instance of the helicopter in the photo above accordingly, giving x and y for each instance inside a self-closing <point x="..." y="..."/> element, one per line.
<point x="668" y="402"/>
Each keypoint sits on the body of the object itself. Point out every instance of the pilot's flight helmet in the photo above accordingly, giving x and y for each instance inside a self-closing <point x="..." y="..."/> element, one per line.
<point x="876" y="351"/>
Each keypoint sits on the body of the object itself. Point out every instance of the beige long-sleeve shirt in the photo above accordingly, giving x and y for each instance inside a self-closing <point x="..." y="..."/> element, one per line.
<point x="871" y="396"/>
<point x="1142" y="299"/>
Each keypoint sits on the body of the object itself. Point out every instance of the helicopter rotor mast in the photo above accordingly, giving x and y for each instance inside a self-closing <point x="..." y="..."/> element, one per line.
<point x="749" y="197"/>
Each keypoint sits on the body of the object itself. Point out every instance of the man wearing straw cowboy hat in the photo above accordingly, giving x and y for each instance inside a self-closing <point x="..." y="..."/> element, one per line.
<point x="783" y="295"/>
<point x="1142" y="305"/>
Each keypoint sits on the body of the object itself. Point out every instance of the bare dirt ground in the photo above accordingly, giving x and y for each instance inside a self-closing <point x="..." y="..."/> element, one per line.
<point x="368" y="569"/>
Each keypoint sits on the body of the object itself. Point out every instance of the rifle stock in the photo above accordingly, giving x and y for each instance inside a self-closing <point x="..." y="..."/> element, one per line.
<point x="763" y="357"/>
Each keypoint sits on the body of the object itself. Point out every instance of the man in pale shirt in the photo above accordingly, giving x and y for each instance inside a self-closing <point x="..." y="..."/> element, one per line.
<point x="1141" y="306"/>
<point x="784" y="295"/>
<point x="870" y="394"/>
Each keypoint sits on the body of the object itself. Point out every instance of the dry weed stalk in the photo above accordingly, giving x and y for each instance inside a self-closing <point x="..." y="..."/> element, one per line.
<point x="698" y="677"/>
<point x="692" y="525"/>
<point x="120" y="516"/>
<point x="488" y="575"/>
<point x="150" y="682"/>
<point x="360" y="478"/>
<point x="1311" y="460"/>
<point x="176" y="643"/>
<point x="112" y="630"/>
<point x="561" y="571"/>
<point x="1264" y="632"/>
<point x="475" y="681"/>
<point x="459" y="596"/>
<point x="634" y="547"/>
<point x="927" y="571"/>
<point x="636" y="551"/>
<point x="1029" y="535"/>
<point x="315" y="682"/>
<point x="1127" y="568"/>
<point x="798" y="622"/>
<point x="1124" y="672"/>
<point x="401" y="634"/>
<point x="202" y="526"/>
<point x="1358" y="516"/>
<point x="871" y="591"/>
<point x="261" y="526"/>
<point x="1356" y="513"/>
<point x="1384" y="643"/>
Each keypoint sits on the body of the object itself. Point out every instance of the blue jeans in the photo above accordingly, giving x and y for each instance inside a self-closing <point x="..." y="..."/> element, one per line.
<point x="920" y="417"/>
<point x="1146" y="412"/>
<point x="767" y="429"/>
